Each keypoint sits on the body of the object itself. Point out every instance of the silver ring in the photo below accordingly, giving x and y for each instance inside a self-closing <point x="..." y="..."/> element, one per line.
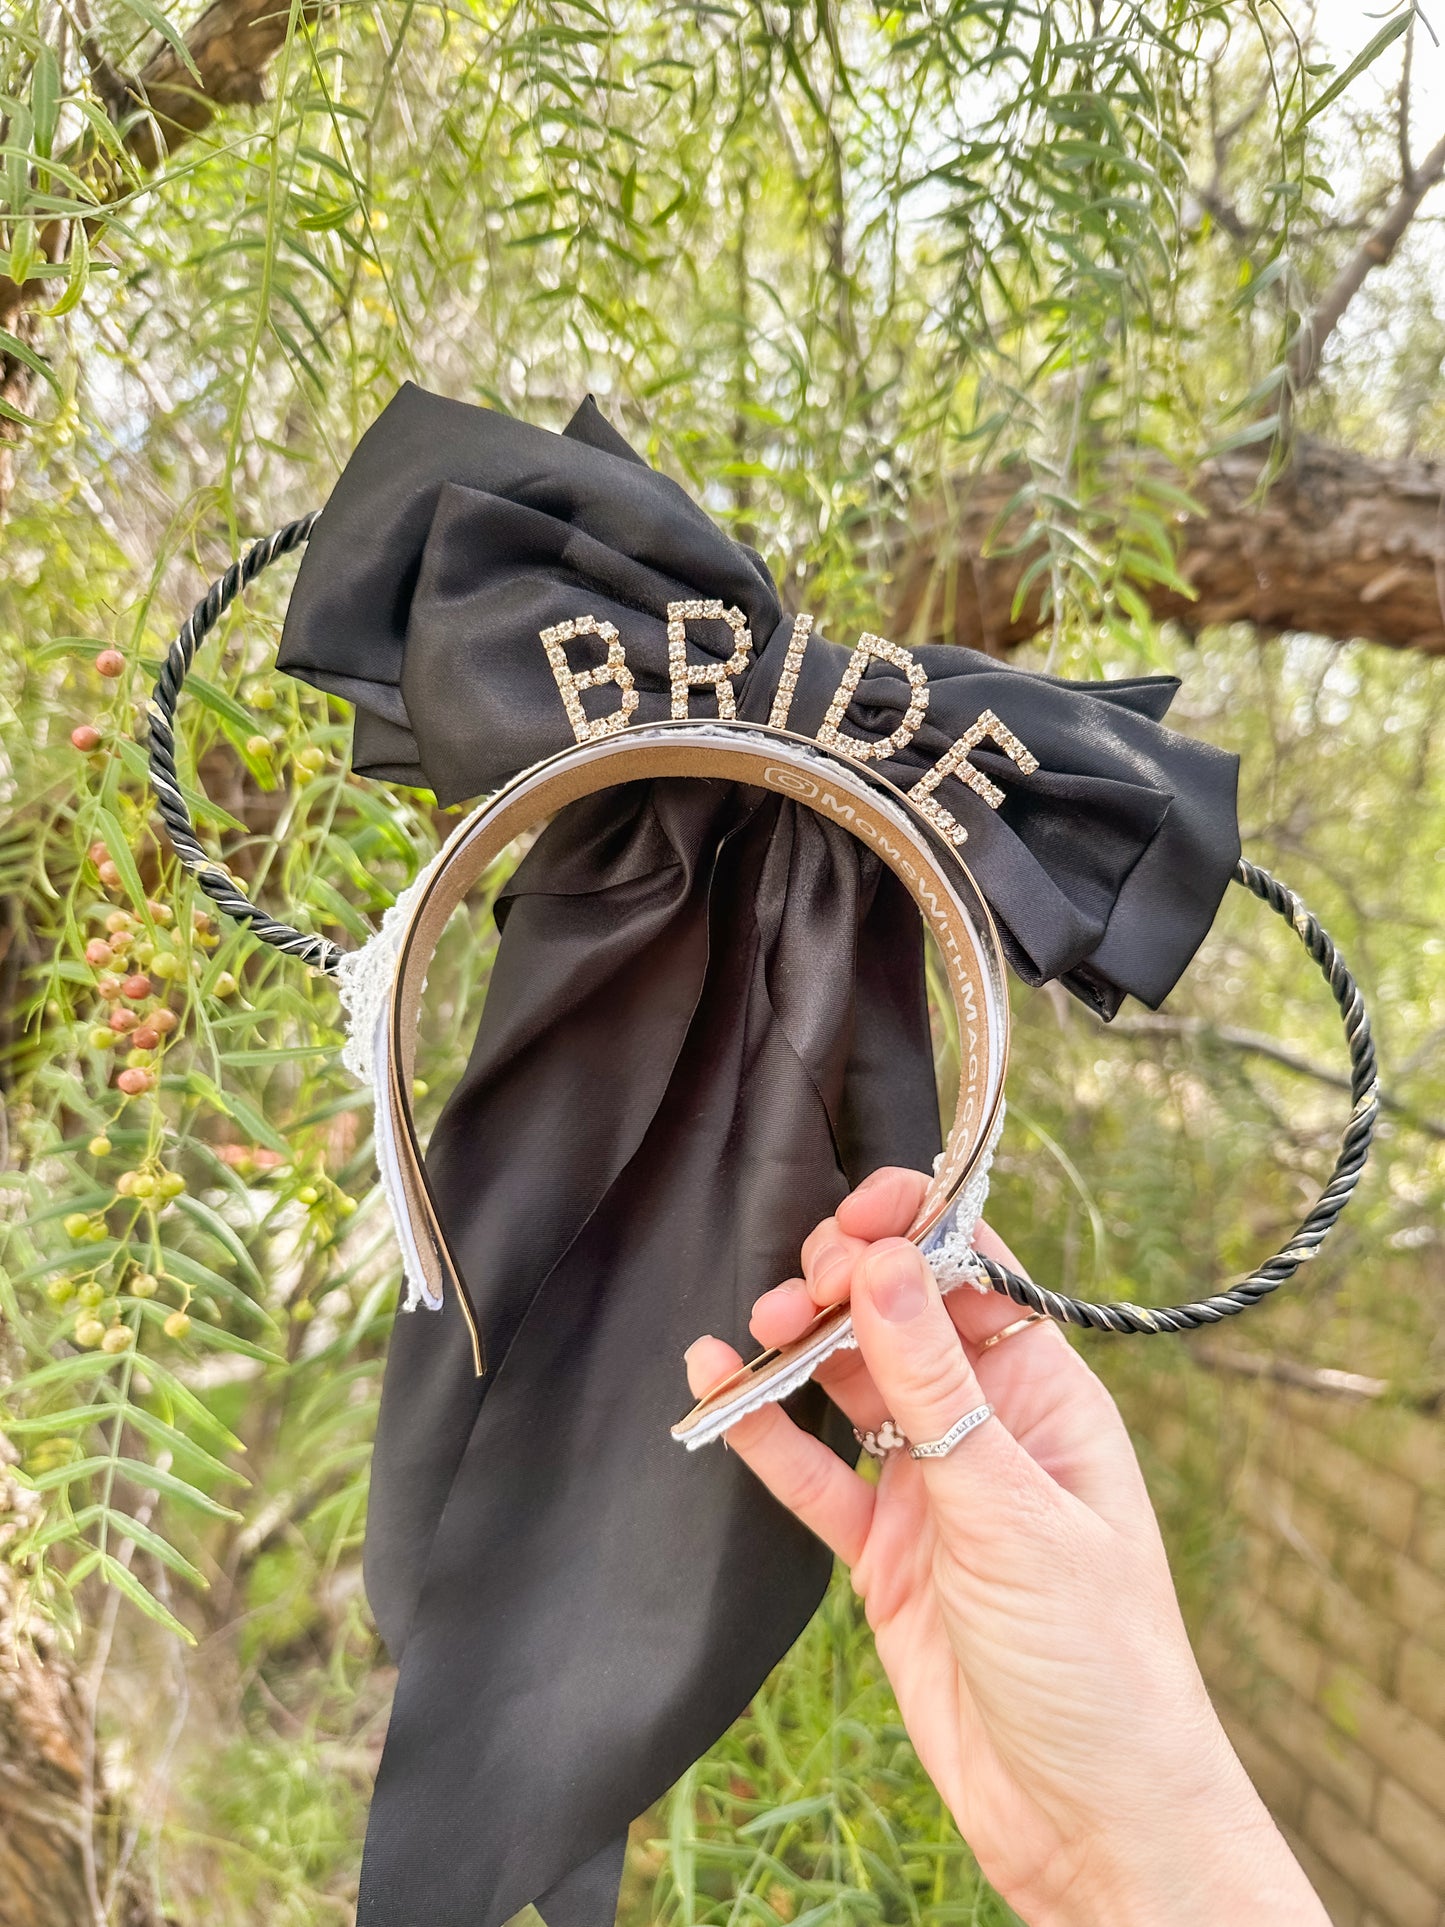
<point x="880" y="1444"/>
<point x="960" y="1429"/>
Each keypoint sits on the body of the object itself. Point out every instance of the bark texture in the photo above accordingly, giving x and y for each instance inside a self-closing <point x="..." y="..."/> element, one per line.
<point x="1340" y="545"/>
<point x="47" y="1878"/>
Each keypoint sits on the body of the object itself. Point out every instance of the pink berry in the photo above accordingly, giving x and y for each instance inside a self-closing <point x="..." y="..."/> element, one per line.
<point x="136" y="988"/>
<point x="134" y="1082"/>
<point x="98" y="952"/>
<point x="108" y="874"/>
<point x="123" y="1020"/>
<point x="146" y="1038"/>
<point x="110" y="662"/>
<point x="86" y="737"/>
<point x="163" y="1020"/>
<point x="110" y="988"/>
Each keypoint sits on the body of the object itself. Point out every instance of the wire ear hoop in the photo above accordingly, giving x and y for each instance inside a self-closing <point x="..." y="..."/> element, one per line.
<point x="1317" y="1223"/>
<point x="227" y="894"/>
<point x="219" y="885"/>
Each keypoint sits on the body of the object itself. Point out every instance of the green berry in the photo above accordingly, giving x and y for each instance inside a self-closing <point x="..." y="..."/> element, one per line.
<point x="89" y="1332"/>
<point x="91" y="1293"/>
<point x="177" y="1325"/>
<point x="60" y="1291"/>
<point x="145" y="1284"/>
<point x="100" y="1146"/>
<point x="225" y="985"/>
<point x="119" y="1338"/>
<point x="308" y="1194"/>
<point x="77" y="1224"/>
<point x="170" y="1184"/>
<point x="143" y="1185"/>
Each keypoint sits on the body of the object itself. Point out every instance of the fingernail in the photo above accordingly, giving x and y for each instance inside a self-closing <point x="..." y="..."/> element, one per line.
<point x="896" y="1284"/>
<point x="687" y="1355"/>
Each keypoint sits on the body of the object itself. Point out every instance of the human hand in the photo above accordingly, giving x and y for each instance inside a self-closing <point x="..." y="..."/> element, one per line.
<point x="1018" y="1591"/>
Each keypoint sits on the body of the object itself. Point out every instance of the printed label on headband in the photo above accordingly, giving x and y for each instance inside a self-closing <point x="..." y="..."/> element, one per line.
<point x="719" y="676"/>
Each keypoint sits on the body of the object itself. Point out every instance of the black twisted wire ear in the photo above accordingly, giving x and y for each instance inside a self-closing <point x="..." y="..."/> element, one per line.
<point x="226" y="893"/>
<point x="219" y="885"/>
<point x="1317" y="1224"/>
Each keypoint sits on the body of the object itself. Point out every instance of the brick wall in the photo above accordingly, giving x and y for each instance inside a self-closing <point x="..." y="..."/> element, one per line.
<point x="1321" y="1624"/>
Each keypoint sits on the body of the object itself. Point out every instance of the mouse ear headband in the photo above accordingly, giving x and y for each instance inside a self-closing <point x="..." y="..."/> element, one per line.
<point x="706" y="1020"/>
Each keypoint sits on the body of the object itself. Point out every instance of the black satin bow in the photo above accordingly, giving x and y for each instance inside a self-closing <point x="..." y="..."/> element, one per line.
<point x="705" y="1021"/>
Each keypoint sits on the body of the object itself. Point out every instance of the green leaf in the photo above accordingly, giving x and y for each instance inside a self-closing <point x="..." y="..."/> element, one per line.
<point x="220" y="704"/>
<point x="63" y="1371"/>
<point x="1367" y="56"/>
<point x="165" y="1383"/>
<point x="113" y="836"/>
<point x="190" y="1271"/>
<point x="79" y="272"/>
<point x="22" y="352"/>
<point x="168" y="32"/>
<point x="147" y="1477"/>
<point x="171" y="1439"/>
<point x="45" y="99"/>
<point x="257" y="1127"/>
<point x="225" y="1236"/>
<point x="125" y="1581"/>
<point x="146" y="1539"/>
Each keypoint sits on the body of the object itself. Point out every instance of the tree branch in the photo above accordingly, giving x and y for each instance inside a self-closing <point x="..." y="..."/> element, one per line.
<point x="1344" y="546"/>
<point x="231" y="45"/>
<point x="1373" y="252"/>
<point x="1257" y="1045"/>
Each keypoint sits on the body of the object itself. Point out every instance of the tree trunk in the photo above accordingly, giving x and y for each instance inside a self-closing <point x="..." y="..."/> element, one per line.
<point x="45" y="1814"/>
<point x="1340" y="545"/>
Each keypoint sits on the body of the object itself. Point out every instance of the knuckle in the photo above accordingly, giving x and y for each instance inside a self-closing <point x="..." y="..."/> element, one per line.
<point x="806" y="1486"/>
<point x="825" y="1233"/>
<point x="940" y="1376"/>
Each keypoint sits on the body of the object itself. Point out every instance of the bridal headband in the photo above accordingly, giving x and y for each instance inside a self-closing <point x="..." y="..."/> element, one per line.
<point x="706" y="1020"/>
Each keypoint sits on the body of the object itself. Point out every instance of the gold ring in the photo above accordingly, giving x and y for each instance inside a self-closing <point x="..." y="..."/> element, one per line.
<point x="1018" y="1325"/>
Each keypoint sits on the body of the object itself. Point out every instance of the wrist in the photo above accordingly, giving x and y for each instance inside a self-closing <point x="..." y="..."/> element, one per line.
<point x="1192" y="1860"/>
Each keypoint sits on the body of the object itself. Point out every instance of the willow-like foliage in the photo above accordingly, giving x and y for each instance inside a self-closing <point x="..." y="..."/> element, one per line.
<point x="823" y="263"/>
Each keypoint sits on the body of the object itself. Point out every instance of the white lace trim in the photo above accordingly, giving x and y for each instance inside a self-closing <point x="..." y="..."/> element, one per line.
<point x="949" y="1246"/>
<point x="364" y="978"/>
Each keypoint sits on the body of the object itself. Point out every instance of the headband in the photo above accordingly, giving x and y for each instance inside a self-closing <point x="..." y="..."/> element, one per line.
<point x="706" y="1020"/>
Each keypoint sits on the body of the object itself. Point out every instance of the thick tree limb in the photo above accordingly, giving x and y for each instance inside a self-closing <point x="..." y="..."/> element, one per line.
<point x="1342" y="545"/>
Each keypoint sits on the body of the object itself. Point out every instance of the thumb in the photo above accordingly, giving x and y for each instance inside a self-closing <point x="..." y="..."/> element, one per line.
<point x="928" y="1383"/>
